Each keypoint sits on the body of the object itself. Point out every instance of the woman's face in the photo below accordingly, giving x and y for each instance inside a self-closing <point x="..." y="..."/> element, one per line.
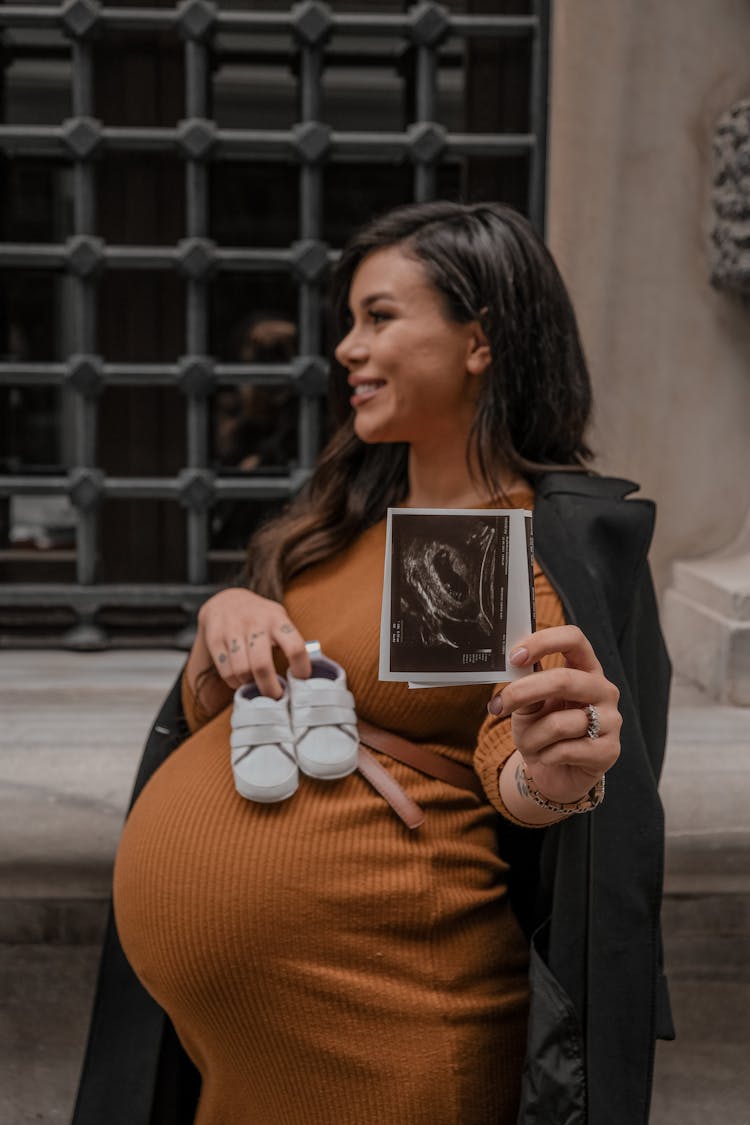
<point x="414" y="373"/>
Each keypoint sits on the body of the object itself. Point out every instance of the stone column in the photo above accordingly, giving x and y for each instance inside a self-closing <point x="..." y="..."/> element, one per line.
<point x="707" y="608"/>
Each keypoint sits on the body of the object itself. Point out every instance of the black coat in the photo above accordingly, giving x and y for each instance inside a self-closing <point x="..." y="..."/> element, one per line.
<point x="589" y="887"/>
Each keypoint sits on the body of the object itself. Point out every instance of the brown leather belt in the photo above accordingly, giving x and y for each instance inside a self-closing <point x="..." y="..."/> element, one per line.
<point x="411" y="754"/>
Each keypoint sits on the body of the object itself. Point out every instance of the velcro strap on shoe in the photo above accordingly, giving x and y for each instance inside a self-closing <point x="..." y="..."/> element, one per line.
<point x="320" y="693"/>
<point x="323" y="717"/>
<point x="259" y="734"/>
<point x="262" y="709"/>
<point x="241" y="752"/>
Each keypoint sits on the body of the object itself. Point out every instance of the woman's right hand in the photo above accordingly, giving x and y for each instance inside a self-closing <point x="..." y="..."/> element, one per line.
<point x="240" y="629"/>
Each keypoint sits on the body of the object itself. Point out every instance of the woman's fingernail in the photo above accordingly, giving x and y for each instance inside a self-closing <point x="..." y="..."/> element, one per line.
<point x="519" y="656"/>
<point x="495" y="705"/>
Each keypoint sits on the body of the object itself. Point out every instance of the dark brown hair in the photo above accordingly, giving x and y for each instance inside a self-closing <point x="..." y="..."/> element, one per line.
<point x="488" y="264"/>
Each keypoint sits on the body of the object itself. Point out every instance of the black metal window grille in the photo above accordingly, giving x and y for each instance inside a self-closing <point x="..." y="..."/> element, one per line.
<point x="310" y="143"/>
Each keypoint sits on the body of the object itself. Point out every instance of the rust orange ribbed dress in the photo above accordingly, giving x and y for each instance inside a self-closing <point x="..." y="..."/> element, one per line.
<point x="323" y="965"/>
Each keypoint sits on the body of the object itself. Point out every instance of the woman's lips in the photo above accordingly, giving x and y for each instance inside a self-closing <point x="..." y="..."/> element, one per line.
<point x="363" y="392"/>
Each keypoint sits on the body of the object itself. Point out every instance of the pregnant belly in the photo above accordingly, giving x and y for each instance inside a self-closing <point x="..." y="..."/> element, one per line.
<point x="298" y="928"/>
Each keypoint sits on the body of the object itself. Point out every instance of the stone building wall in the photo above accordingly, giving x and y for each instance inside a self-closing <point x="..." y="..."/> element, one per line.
<point x="637" y="91"/>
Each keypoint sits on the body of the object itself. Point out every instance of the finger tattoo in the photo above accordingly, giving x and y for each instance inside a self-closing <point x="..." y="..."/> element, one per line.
<point x="254" y="635"/>
<point x="286" y="628"/>
<point x="222" y="657"/>
<point x="235" y="645"/>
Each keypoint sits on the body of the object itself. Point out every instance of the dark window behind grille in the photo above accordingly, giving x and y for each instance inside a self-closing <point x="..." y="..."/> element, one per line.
<point x="175" y="182"/>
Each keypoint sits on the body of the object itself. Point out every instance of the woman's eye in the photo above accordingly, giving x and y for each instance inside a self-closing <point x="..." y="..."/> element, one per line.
<point x="377" y="316"/>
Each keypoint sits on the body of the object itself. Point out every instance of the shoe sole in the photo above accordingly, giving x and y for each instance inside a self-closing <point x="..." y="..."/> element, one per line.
<point x="269" y="796"/>
<point x="319" y="775"/>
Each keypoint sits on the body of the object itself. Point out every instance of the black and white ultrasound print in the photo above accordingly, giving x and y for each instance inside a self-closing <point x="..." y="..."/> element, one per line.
<point x="448" y="592"/>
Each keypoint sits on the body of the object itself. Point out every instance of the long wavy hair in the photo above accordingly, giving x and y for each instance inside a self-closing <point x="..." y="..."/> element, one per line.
<point x="488" y="264"/>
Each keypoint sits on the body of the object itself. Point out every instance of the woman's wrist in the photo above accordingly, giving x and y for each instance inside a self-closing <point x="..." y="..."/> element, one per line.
<point x="517" y="789"/>
<point x="589" y="800"/>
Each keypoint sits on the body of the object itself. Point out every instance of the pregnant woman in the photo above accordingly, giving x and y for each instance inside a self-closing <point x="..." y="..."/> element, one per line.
<point x="319" y="961"/>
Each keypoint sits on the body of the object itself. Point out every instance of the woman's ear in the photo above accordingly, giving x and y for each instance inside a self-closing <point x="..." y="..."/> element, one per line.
<point x="480" y="356"/>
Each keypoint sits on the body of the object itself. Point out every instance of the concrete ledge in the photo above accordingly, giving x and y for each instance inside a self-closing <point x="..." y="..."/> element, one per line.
<point x="74" y="725"/>
<point x="44" y="1020"/>
<point x="70" y="741"/>
<point x="720" y="583"/>
<point x="50" y="921"/>
<point x="705" y="789"/>
<point x="706" y="936"/>
<point x="707" y="625"/>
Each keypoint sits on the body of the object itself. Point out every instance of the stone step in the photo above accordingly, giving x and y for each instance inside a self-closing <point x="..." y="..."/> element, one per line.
<point x="72" y="732"/>
<point x="721" y="583"/>
<point x="47" y="993"/>
<point x="706" y="616"/>
<point x="71" y="738"/>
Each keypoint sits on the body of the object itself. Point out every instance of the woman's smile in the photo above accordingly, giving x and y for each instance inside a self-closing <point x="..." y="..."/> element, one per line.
<point x="364" y="392"/>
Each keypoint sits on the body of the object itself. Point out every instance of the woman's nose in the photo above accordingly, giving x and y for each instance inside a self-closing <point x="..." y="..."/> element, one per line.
<point x="351" y="349"/>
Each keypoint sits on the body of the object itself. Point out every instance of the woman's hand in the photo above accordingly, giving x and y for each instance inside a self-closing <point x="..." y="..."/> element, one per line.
<point x="239" y="630"/>
<point x="549" y="717"/>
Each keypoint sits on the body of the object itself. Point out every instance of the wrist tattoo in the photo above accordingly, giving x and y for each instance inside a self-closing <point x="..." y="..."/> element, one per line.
<point x="521" y="785"/>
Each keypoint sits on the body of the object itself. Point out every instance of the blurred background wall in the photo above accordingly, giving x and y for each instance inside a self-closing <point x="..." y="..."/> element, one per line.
<point x="637" y="90"/>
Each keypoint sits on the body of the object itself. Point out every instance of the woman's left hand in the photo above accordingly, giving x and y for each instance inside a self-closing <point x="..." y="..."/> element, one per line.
<point x="550" y="718"/>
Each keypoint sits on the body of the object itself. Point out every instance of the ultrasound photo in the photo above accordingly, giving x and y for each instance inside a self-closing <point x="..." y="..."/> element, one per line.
<point x="448" y="587"/>
<point x="445" y="602"/>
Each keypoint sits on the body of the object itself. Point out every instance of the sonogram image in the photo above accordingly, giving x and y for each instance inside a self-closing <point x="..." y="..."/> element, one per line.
<point x="449" y="583"/>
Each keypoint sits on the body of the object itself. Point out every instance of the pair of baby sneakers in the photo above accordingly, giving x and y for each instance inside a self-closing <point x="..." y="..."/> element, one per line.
<point x="313" y="728"/>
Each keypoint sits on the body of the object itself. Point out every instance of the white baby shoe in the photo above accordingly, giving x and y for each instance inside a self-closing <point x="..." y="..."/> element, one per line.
<point x="263" y="759"/>
<point x="324" y="721"/>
